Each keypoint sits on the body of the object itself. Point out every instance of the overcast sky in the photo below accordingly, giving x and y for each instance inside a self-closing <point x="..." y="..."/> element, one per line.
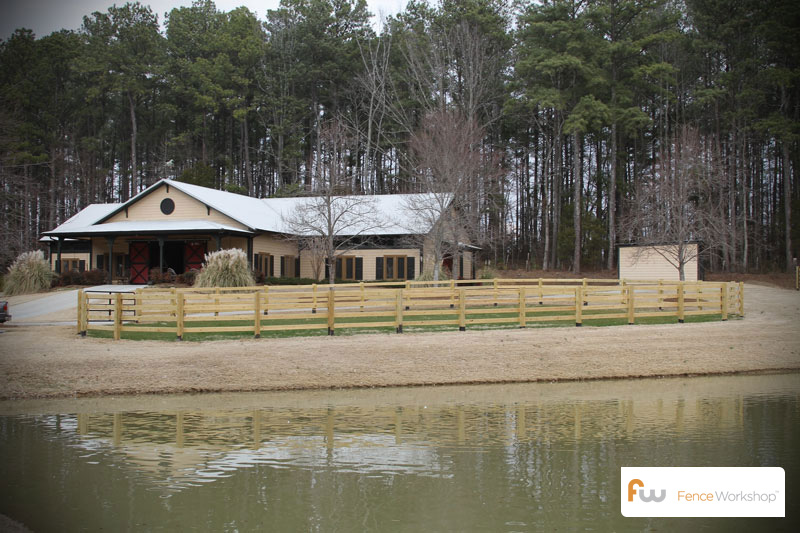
<point x="47" y="16"/>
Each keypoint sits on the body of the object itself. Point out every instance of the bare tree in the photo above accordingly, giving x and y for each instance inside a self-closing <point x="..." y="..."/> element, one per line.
<point x="333" y="221"/>
<point x="447" y="154"/>
<point x="677" y="205"/>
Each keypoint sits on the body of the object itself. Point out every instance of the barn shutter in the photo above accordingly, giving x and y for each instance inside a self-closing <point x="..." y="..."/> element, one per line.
<point x="58" y="265"/>
<point x="359" y="268"/>
<point x="327" y="269"/>
<point x="297" y="267"/>
<point x="338" y="274"/>
<point x="271" y="265"/>
<point x="101" y="261"/>
<point x="461" y="266"/>
<point x="82" y="265"/>
<point x="283" y="267"/>
<point x="379" y="268"/>
<point x="401" y="268"/>
<point x="409" y="268"/>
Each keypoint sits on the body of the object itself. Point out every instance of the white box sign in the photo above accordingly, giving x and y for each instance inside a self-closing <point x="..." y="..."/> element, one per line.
<point x="703" y="491"/>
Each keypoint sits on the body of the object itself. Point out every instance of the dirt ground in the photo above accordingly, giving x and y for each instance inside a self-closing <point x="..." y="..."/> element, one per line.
<point x="52" y="361"/>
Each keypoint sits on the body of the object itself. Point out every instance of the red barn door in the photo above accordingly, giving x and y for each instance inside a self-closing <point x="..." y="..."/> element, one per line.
<point x="140" y="261"/>
<point x="193" y="255"/>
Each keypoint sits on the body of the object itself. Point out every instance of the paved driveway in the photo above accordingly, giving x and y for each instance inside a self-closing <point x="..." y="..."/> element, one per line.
<point x="58" y="301"/>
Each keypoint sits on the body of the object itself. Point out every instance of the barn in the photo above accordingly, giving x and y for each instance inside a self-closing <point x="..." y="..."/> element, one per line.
<point x="172" y="225"/>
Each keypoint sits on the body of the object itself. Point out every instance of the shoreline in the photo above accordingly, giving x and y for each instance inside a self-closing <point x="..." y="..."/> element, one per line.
<point x="40" y="362"/>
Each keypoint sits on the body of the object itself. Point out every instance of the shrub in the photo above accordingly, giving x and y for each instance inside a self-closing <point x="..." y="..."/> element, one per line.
<point x="29" y="273"/>
<point x="156" y="276"/>
<point x="70" y="277"/>
<point x="292" y="281"/>
<point x="95" y="277"/>
<point x="225" y="268"/>
<point x="487" y="272"/>
<point x="188" y="277"/>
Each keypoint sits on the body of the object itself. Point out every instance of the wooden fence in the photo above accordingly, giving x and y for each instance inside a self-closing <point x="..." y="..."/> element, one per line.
<point x="410" y="304"/>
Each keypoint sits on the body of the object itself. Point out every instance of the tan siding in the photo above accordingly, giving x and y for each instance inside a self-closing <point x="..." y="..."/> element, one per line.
<point x="368" y="257"/>
<point x="186" y="208"/>
<point x="276" y="246"/>
<point x="650" y="265"/>
<point x="64" y="256"/>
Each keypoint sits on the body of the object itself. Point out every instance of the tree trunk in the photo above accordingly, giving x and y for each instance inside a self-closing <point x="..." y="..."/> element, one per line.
<point x="134" y="167"/>
<point x="577" y="185"/>
<point x="787" y="204"/>
<point x="612" y="199"/>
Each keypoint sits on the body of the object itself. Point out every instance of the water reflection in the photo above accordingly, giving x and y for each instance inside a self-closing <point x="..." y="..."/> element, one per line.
<point x="510" y="458"/>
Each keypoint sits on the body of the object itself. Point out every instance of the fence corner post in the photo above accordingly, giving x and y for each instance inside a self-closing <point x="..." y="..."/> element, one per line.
<point x="578" y="307"/>
<point x="462" y="310"/>
<point x="631" y="305"/>
<point x="681" y="309"/>
<point x="118" y="316"/>
<point x="723" y="300"/>
<point x="331" y="312"/>
<point x="741" y="299"/>
<point x="398" y="312"/>
<point x="523" y="307"/>
<point x="313" y="298"/>
<point x="257" y="314"/>
<point x="79" y="316"/>
<point x="179" y="315"/>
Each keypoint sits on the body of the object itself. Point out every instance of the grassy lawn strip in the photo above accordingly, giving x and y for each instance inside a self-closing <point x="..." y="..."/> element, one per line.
<point x="343" y="329"/>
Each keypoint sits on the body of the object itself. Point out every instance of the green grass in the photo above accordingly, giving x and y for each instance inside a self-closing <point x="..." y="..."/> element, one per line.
<point x="342" y="328"/>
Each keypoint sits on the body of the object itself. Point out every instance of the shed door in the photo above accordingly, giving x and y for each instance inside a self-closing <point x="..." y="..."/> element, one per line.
<point x="140" y="261"/>
<point x="193" y="255"/>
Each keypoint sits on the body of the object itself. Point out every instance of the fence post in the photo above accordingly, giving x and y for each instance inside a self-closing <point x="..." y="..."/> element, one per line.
<point x="578" y="307"/>
<point x="361" y="286"/>
<point x="257" y="315"/>
<point x="398" y="312"/>
<point x="117" y="316"/>
<point x="797" y="278"/>
<point x="216" y="301"/>
<point x="723" y="300"/>
<point x="699" y="289"/>
<point x="331" y="312"/>
<point x="313" y="298"/>
<point x="452" y="293"/>
<point x="541" y="294"/>
<point x="741" y="298"/>
<point x="462" y="308"/>
<point x="681" y="310"/>
<point x="631" y="305"/>
<point x="79" y="317"/>
<point x="179" y="315"/>
<point x="266" y="300"/>
<point x="523" y="307"/>
<point x="585" y="286"/>
<point x="494" y="286"/>
<point x="660" y="294"/>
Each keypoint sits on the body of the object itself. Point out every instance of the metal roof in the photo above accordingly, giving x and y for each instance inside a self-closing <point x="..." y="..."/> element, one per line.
<point x="398" y="214"/>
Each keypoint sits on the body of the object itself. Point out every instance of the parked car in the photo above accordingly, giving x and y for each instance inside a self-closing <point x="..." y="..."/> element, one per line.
<point x="4" y="314"/>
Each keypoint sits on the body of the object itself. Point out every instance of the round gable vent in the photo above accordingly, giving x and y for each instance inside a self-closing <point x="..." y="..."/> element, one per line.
<point x="167" y="206"/>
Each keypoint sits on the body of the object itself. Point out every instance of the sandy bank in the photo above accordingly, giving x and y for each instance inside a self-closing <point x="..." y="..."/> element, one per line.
<point x="40" y="362"/>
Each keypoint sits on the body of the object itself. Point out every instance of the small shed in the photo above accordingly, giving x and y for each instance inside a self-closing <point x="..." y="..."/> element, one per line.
<point x="653" y="262"/>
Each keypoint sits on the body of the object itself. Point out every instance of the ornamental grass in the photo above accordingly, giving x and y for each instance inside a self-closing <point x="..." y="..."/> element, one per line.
<point x="225" y="268"/>
<point x="29" y="273"/>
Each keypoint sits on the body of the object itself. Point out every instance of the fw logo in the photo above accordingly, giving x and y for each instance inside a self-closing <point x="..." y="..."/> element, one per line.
<point x="650" y="498"/>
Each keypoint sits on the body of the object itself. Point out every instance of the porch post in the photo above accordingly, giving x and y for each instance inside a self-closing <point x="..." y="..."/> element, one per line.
<point x="161" y="254"/>
<point x="250" y="251"/>
<point x="110" y="241"/>
<point x="60" y="268"/>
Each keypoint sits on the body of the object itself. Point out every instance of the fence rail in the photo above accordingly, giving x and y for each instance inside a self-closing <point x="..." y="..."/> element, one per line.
<point x="406" y="304"/>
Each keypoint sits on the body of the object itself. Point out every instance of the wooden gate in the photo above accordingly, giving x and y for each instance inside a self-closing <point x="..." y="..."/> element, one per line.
<point x="140" y="261"/>
<point x="193" y="255"/>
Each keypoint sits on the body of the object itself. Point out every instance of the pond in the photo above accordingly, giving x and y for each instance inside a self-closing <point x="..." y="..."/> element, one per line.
<point x="463" y="458"/>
